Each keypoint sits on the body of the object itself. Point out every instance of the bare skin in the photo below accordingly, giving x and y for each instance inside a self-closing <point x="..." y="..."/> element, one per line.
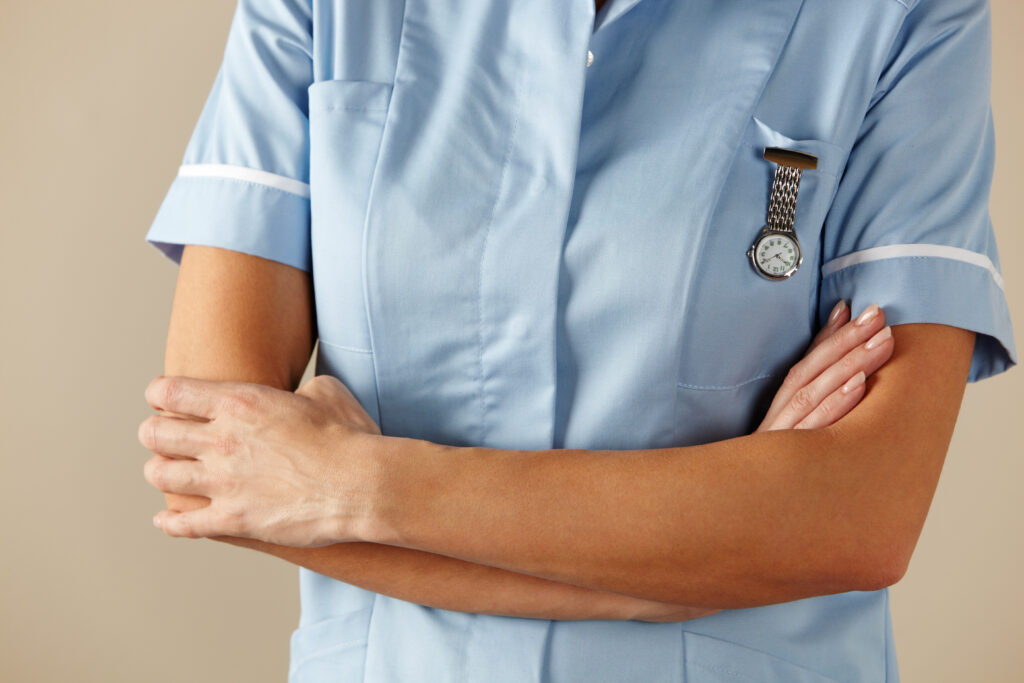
<point x="771" y="517"/>
<point x="214" y="337"/>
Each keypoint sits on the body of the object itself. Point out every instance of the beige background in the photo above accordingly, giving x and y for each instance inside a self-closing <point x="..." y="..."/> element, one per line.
<point x="97" y="100"/>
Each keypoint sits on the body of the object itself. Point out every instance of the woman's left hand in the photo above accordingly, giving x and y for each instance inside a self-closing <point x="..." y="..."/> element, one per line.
<point x="281" y="467"/>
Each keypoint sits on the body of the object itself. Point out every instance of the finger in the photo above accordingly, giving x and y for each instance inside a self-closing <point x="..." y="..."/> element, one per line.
<point x="839" y="316"/>
<point x="867" y="357"/>
<point x="175" y="476"/>
<point x="201" y="523"/>
<point x="182" y="395"/>
<point x="831" y="349"/>
<point x="836" y="405"/>
<point x="831" y="345"/>
<point x="175" y="437"/>
<point x="203" y="398"/>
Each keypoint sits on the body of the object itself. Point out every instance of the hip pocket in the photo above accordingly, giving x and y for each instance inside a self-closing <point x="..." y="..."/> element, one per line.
<point x="710" y="660"/>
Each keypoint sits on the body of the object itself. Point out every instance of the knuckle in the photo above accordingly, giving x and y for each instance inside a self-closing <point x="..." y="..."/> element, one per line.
<point x="187" y="528"/>
<point x="240" y="401"/>
<point x="837" y="341"/>
<point x="827" y="412"/>
<point x="225" y="444"/>
<point x="849" y="364"/>
<point x="188" y="478"/>
<point x="234" y="521"/>
<point x="169" y="391"/>
<point x="803" y="399"/>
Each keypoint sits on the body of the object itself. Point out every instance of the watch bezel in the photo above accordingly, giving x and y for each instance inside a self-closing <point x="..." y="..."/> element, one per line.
<point x="764" y="234"/>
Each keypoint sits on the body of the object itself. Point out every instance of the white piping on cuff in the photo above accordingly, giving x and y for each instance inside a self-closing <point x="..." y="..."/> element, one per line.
<point x="913" y="251"/>
<point x="249" y="175"/>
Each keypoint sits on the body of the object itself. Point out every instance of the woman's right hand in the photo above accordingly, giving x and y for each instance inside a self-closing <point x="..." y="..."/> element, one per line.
<point x="829" y="381"/>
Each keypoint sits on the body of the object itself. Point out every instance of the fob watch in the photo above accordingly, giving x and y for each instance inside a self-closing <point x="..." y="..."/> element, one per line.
<point x="776" y="253"/>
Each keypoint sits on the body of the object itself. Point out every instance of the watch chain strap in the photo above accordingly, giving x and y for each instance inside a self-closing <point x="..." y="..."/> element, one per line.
<point x="782" y="205"/>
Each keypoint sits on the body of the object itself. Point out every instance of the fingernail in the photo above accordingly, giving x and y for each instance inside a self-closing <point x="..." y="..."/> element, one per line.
<point x="854" y="382"/>
<point x="156" y="521"/>
<point x="869" y="313"/>
<point x="837" y="311"/>
<point x="879" y="337"/>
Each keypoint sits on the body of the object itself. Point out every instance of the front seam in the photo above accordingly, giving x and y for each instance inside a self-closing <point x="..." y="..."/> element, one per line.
<point x="369" y="625"/>
<point x="506" y="158"/>
<point x="366" y="218"/>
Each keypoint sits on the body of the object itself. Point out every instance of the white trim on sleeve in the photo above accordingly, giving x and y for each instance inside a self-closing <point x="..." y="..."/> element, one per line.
<point x="913" y="251"/>
<point x="249" y="175"/>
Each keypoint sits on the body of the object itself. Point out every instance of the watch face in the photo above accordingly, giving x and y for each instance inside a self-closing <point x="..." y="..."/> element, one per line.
<point x="776" y="255"/>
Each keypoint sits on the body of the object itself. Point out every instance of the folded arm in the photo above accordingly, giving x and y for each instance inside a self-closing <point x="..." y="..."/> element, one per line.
<point x="765" y="518"/>
<point x="407" y="516"/>
<point x="238" y="317"/>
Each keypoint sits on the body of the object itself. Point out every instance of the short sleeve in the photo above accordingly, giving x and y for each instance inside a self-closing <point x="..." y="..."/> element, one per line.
<point x="909" y="226"/>
<point x="244" y="181"/>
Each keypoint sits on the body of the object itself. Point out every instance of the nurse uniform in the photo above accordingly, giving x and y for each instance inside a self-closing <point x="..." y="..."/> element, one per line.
<point x="513" y="249"/>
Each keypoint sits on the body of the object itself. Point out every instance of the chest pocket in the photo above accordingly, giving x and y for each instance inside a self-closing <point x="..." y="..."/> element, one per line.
<point x="742" y="331"/>
<point x="346" y="123"/>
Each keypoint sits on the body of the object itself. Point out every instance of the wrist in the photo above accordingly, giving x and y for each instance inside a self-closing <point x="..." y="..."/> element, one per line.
<point x="352" y="485"/>
<point x="396" y="481"/>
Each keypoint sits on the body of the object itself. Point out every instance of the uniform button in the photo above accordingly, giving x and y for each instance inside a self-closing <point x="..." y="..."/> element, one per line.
<point x="590" y="57"/>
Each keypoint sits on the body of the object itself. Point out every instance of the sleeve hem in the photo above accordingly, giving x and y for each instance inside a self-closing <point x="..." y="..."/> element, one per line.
<point x="932" y="290"/>
<point x="242" y="216"/>
<point x="913" y="251"/>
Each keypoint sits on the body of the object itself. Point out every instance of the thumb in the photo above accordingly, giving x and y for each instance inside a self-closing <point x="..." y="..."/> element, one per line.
<point x="329" y="392"/>
<point x="325" y="388"/>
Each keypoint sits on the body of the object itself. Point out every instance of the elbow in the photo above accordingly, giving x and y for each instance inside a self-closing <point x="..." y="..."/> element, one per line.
<point x="876" y="562"/>
<point x="881" y="572"/>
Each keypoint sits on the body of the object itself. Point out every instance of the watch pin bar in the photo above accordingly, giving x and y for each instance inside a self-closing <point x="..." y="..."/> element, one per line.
<point x="790" y="157"/>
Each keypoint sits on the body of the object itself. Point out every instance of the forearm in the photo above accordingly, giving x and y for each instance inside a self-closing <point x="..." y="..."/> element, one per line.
<point x="761" y="519"/>
<point x="448" y="583"/>
<point x="700" y="525"/>
<point x="224" y="337"/>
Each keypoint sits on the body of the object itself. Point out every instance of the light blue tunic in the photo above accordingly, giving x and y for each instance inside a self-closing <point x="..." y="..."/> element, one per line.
<point x="515" y="250"/>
